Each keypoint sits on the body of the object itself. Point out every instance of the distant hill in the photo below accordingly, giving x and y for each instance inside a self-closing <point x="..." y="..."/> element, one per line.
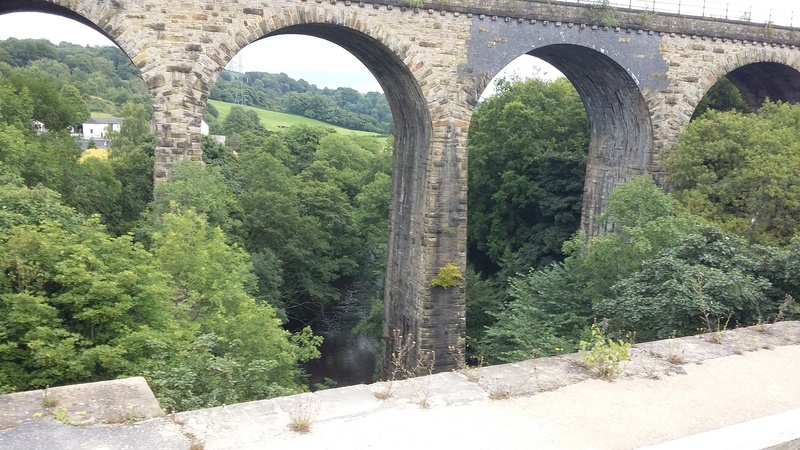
<point x="107" y="79"/>
<point x="344" y="107"/>
<point x="104" y="76"/>
<point x="276" y="121"/>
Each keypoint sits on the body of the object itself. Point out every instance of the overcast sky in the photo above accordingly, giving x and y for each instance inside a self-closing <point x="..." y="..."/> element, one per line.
<point x="328" y="65"/>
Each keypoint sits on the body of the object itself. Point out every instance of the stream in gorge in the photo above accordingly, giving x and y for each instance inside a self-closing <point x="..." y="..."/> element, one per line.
<point x="346" y="358"/>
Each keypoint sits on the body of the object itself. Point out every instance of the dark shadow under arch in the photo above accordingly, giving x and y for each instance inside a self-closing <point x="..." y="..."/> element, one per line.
<point x="621" y="130"/>
<point x="760" y="81"/>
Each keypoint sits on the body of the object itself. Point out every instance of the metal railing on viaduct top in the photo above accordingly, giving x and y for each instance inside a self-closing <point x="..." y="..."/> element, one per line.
<point x="712" y="9"/>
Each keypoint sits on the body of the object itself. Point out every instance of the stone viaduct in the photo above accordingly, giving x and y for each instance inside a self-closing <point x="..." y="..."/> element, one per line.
<point x="640" y="76"/>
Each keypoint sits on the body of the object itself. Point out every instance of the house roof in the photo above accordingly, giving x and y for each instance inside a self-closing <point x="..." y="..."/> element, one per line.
<point x="104" y="121"/>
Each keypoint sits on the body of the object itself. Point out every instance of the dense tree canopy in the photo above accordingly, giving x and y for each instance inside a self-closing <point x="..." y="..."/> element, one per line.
<point x="740" y="170"/>
<point x="205" y="288"/>
<point x="665" y="276"/>
<point x="104" y="77"/>
<point x="675" y="263"/>
<point x="527" y="160"/>
<point x="223" y="255"/>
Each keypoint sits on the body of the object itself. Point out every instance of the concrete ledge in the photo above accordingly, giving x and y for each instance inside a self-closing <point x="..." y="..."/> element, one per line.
<point x="777" y="432"/>
<point x="115" y="401"/>
<point x="668" y="396"/>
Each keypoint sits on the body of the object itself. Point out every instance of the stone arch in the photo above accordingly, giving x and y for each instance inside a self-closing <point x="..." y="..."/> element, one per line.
<point x="757" y="72"/>
<point x="99" y="16"/>
<point x="758" y="75"/>
<point x="102" y="17"/>
<point x="621" y="130"/>
<point x="395" y="71"/>
<point x="760" y="81"/>
<point x="401" y="74"/>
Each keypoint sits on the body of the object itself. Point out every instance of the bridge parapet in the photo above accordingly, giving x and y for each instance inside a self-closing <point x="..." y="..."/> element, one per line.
<point x="588" y="14"/>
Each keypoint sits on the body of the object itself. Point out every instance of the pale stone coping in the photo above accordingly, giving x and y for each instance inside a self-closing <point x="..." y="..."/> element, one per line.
<point x="776" y="432"/>
<point x="104" y="402"/>
<point x="128" y="400"/>
<point x="465" y="386"/>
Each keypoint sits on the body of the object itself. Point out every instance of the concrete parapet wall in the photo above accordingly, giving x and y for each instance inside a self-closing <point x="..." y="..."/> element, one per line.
<point x="690" y="388"/>
<point x="105" y="402"/>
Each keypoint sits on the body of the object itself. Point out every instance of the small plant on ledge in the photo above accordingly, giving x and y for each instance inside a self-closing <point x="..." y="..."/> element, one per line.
<point x="449" y="276"/>
<point x="302" y="416"/>
<point x="603" y="356"/>
<point x="415" y="4"/>
<point x="645" y="18"/>
<point x="604" y="13"/>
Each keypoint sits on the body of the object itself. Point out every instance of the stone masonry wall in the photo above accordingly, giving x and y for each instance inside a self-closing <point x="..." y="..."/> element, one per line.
<point x="695" y="63"/>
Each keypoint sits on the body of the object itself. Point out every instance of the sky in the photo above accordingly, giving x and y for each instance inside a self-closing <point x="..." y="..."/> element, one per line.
<point x="325" y="64"/>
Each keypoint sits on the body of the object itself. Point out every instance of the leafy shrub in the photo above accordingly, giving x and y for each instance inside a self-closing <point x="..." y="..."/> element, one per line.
<point x="449" y="276"/>
<point x="604" y="356"/>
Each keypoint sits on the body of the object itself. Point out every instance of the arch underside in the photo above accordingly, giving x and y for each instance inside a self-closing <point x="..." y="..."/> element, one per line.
<point x="413" y="137"/>
<point x="47" y="7"/>
<point x="767" y="80"/>
<point x="621" y="130"/>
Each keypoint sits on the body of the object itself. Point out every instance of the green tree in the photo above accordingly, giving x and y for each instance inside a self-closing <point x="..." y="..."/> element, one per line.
<point x="240" y="120"/>
<point x="546" y="315"/>
<point x="135" y="128"/>
<point x="133" y="169"/>
<point x="241" y="352"/>
<point x="17" y="107"/>
<point x="76" y="109"/>
<point x="372" y="218"/>
<point x="739" y="170"/>
<point x="351" y="163"/>
<point x="91" y="187"/>
<point x="57" y="107"/>
<point x="709" y="273"/>
<point x="75" y="304"/>
<point x="527" y="159"/>
<point x="303" y="141"/>
<point x="201" y="189"/>
<point x="23" y="51"/>
<point x="12" y="152"/>
<point x="645" y="225"/>
<point x="560" y="301"/>
<point x="723" y="96"/>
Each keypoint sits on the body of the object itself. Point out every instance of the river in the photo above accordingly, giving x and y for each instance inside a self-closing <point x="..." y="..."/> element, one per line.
<point x="347" y="358"/>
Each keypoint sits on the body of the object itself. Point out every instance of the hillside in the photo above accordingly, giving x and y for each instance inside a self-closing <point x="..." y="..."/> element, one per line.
<point x="343" y="106"/>
<point x="275" y="121"/>
<point x="106" y="79"/>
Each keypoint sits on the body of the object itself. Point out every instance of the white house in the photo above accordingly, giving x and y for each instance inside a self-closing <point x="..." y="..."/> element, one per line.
<point x="97" y="128"/>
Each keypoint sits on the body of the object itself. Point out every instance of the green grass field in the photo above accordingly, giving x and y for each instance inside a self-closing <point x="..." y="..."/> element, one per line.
<point x="275" y="121"/>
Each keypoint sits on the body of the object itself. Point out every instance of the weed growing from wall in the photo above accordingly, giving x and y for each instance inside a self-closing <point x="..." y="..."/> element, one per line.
<point x="448" y="276"/>
<point x="645" y="18"/>
<point x="603" y="13"/>
<point x="604" y="357"/>
<point x="402" y="346"/>
<point x="302" y="416"/>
